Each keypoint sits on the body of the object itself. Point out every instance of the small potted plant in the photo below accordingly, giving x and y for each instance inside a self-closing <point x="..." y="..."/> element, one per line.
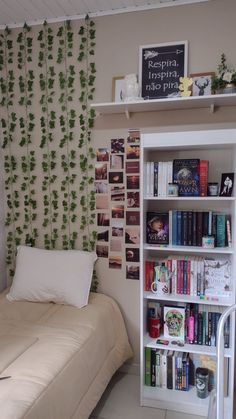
<point x="225" y="80"/>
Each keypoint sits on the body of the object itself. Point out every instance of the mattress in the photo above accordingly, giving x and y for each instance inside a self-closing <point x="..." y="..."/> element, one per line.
<point x="60" y="358"/>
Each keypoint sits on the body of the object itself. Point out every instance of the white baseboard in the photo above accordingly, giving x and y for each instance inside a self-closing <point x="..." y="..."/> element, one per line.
<point x="133" y="369"/>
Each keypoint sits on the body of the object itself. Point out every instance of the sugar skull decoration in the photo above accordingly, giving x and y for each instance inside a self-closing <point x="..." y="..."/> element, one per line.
<point x="174" y="321"/>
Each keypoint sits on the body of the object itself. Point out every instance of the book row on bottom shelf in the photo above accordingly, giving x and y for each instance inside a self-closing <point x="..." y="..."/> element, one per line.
<point x="189" y="323"/>
<point x="175" y="370"/>
<point x="188" y="228"/>
<point x="189" y="275"/>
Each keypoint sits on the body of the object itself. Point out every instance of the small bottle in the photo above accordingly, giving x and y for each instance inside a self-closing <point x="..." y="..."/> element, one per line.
<point x="202" y="381"/>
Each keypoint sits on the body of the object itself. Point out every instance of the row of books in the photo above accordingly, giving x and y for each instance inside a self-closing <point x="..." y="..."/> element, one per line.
<point x="167" y="369"/>
<point x="175" y="370"/>
<point x="189" y="275"/>
<point x="188" y="228"/>
<point x="191" y="323"/>
<point x="191" y="176"/>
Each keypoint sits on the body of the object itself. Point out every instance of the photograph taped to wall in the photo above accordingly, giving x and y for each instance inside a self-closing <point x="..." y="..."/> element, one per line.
<point x="132" y="166"/>
<point x="115" y="262"/>
<point x="132" y="254"/>
<point x="117" y="228"/>
<point x="102" y="251"/>
<point x="132" y="152"/>
<point x="117" y="86"/>
<point x="117" y="161"/>
<point x="117" y="193"/>
<point x="117" y="145"/>
<point x="132" y="235"/>
<point x="132" y="272"/>
<point x="103" y="219"/>
<point x="101" y="187"/>
<point x="115" y="245"/>
<point x="102" y="235"/>
<point x="202" y="83"/>
<point x="102" y="154"/>
<point x="132" y="199"/>
<point x="116" y="177"/>
<point x="100" y="171"/>
<point x="134" y="136"/>
<point x="101" y="201"/>
<point x="118" y="211"/>
<point x="132" y="181"/>
<point x="132" y="217"/>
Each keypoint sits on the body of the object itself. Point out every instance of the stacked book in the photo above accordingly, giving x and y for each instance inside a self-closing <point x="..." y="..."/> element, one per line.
<point x="191" y="176"/>
<point x="167" y="369"/>
<point x="187" y="228"/>
<point x="190" y="275"/>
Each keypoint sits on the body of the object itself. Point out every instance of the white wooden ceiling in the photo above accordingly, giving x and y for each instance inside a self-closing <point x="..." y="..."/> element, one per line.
<point x="16" y="12"/>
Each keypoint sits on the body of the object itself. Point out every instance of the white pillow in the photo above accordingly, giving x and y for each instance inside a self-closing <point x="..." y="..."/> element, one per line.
<point x="61" y="276"/>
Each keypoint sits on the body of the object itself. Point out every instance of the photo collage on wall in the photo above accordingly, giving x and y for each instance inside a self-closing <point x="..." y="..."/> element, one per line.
<point x="117" y="184"/>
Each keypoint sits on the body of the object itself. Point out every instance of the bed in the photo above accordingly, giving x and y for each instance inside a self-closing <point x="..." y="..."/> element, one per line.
<point x="59" y="358"/>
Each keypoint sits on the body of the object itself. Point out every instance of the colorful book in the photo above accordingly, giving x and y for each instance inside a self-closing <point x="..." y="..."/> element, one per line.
<point x="174" y="322"/>
<point x="203" y="173"/>
<point x="186" y="175"/>
<point x="158" y="228"/>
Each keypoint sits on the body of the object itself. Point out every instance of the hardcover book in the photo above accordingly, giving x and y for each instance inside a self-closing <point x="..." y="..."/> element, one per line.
<point x="174" y="322"/>
<point x="217" y="272"/>
<point x="186" y="175"/>
<point x="158" y="228"/>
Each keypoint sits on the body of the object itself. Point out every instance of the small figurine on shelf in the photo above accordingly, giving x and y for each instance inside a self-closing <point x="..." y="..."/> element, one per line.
<point x="185" y="84"/>
<point x="130" y="88"/>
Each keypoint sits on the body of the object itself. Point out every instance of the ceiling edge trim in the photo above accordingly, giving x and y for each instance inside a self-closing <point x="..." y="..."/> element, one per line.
<point x="164" y="3"/>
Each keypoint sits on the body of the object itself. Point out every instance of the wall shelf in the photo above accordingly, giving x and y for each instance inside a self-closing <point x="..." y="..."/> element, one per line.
<point x="167" y="104"/>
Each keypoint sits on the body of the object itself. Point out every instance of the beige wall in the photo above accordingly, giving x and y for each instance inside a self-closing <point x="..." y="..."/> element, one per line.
<point x="210" y="30"/>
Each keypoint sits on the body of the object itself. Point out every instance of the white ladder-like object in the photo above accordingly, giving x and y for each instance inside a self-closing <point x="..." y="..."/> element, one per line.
<point x="216" y="404"/>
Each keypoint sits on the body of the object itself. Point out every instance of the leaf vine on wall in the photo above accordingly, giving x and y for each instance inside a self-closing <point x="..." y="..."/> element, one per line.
<point x="67" y="123"/>
<point x="27" y="124"/>
<point x="87" y="74"/>
<point x="47" y="122"/>
<point x="8" y="123"/>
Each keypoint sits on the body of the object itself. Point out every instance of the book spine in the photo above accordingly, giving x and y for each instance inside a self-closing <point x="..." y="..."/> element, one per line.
<point x="199" y="228"/>
<point x="184" y="228"/>
<point x="220" y="230"/>
<point x="196" y="324"/>
<point x="185" y="270"/>
<point x="179" y="222"/>
<point x="158" y="369"/>
<point x="164" y="370"/>
<point x="174" y="227"/>
<point x="194" y="228"/>
<point x="188" y="276"/>
<point x="169" y="371"/>
<point x="148" y="366"/>
<point x="155" y="189"/>
<point x="209" y="327"/>
<point x="205" y="220"/>
<point x="153" y="368"/>
<point x="200" y="328"/>
<point x="203" y="172"/>
<point x="190" y="229"/>
<point x="228" y="240"/>
<point x="151" y="187"/>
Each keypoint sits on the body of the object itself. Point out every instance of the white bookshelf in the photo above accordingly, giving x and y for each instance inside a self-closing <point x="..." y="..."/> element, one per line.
<point x="219" y="147"/>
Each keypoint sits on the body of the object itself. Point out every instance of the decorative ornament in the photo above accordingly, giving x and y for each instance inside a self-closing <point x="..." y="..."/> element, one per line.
<point x="185" y="84"/>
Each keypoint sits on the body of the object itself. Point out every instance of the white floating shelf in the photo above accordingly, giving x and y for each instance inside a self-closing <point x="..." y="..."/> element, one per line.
<point x="227" y="302"/>
<point x="166" y="104"/>
<point x="189" y="249"/>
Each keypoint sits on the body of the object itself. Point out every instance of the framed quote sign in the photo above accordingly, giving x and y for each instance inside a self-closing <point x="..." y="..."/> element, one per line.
<point x="160" y="67"/>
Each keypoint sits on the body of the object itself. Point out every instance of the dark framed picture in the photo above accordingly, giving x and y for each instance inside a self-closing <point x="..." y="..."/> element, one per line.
<point x="118" y="211"/>
<point x="132" y="218"/>
<point x="202" y="83"/>
<point x="132" y="272"/>
<point x="117" y="145"/>
<point x="100" y="171"/>
<point x="102" y="251"/>
<point x="132" y="235"/>
<point x="115" y="262"/>
<point x="117" y="85"/>
<point x="227" y="184"/>
<point x="132" y="181"/>
<point x="160" y="67"/>
<point x="102" y="154"/>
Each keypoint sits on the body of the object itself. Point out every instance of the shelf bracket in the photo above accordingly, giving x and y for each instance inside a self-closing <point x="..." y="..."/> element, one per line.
<point x="127" y="113"/>
<point x="212" y="108"/>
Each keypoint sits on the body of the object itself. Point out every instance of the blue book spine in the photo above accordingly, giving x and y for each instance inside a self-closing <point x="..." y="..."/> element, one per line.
<point x="174" y="227"/>
<point x="179" y="227"/>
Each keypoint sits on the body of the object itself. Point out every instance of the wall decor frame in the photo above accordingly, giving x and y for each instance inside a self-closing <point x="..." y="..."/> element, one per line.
<point x="160" y="67"/>
<point x="117" y="89"/>
<point x="202" y="83"/>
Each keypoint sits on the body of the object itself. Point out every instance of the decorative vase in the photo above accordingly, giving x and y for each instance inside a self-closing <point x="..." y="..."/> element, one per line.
<point x="130" y="88"/>
<point x="230" y="88"/>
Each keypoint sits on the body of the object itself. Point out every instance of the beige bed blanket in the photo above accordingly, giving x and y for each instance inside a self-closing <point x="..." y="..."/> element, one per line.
<point x="60" y="358"/>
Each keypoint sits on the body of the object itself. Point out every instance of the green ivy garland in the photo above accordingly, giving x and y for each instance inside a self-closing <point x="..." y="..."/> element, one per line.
<point x="67" y="124"/>
<point x="8" y="124"/>
<point x="87" y="83"/>
<point x="47" y="122"/>
<point x="28" y="161"/>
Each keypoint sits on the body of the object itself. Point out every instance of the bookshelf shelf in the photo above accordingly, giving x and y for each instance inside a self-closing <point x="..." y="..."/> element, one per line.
<point x="191" y="198"/>
<point x="189" y="249"/>
<point x="226" y="302"/>
<point x="219" y="148"/>
<point x="194" y="349"/>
